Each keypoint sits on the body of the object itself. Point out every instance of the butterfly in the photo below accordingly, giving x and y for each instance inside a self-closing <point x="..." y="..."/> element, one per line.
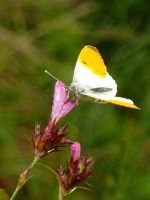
<point x="91" y="80"/>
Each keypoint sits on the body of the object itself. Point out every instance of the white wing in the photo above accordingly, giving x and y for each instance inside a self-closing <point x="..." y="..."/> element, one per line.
<point x="99" y="98"/>
<point x="84" y="79"/>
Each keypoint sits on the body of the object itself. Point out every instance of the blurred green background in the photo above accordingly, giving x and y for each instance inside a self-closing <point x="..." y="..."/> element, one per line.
<point x="40" y="34"/>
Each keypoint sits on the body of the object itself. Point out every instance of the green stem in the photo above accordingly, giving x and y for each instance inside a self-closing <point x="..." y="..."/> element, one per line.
<point x="15" y="193"/>
<point x="23" y="178"/>
<point x="34" y="162"/>
<point x="61" y="192"/>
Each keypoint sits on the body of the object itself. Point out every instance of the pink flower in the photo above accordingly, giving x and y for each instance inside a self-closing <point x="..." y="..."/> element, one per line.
<point x="61" y="105"/>
<point x="52" y="138"/>
<point x="77" y="171"/>
<point x="75" y="151"/>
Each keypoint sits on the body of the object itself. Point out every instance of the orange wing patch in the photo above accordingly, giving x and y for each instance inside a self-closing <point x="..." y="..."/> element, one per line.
<point x="123" y="103"/>
<point x="91" y="58"/>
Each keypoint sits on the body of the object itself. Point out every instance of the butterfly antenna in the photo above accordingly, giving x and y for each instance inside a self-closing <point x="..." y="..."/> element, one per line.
<point x="47" y="72"/>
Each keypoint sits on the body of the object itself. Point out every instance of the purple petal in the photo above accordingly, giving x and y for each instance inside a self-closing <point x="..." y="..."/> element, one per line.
<point x="75" y="151"/>
<point x="61" y="106"/>
<point x="67" y="107"/>
<point x="60" y="97"/>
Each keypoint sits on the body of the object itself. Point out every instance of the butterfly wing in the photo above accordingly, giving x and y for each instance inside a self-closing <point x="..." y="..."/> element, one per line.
<point x="91" y="72"/>
<point x="122" y="102"/>
<point x="91" y="80"/>
<point x="90" y="59"/>
<point x="98" y="98"/>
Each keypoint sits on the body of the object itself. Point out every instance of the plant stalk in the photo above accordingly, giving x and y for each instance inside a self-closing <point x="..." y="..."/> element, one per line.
<point x="23" y="178"/>
<point x="61" y="192"/>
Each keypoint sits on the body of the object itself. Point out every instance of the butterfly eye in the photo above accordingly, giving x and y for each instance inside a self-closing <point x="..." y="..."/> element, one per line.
<point x="84" y="62"/>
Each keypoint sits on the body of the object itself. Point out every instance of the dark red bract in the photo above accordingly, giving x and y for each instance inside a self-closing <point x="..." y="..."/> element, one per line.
<point x="77" y="171"/>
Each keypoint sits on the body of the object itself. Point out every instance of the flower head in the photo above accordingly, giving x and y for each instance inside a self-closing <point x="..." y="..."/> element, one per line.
<point x="52" y="138"/>
<point x="61" y="105"/>
<point x="77" y="171"/>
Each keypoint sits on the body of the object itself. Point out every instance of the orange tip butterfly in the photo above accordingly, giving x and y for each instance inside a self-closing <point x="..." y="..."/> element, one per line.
<point x="92" y="82"/>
